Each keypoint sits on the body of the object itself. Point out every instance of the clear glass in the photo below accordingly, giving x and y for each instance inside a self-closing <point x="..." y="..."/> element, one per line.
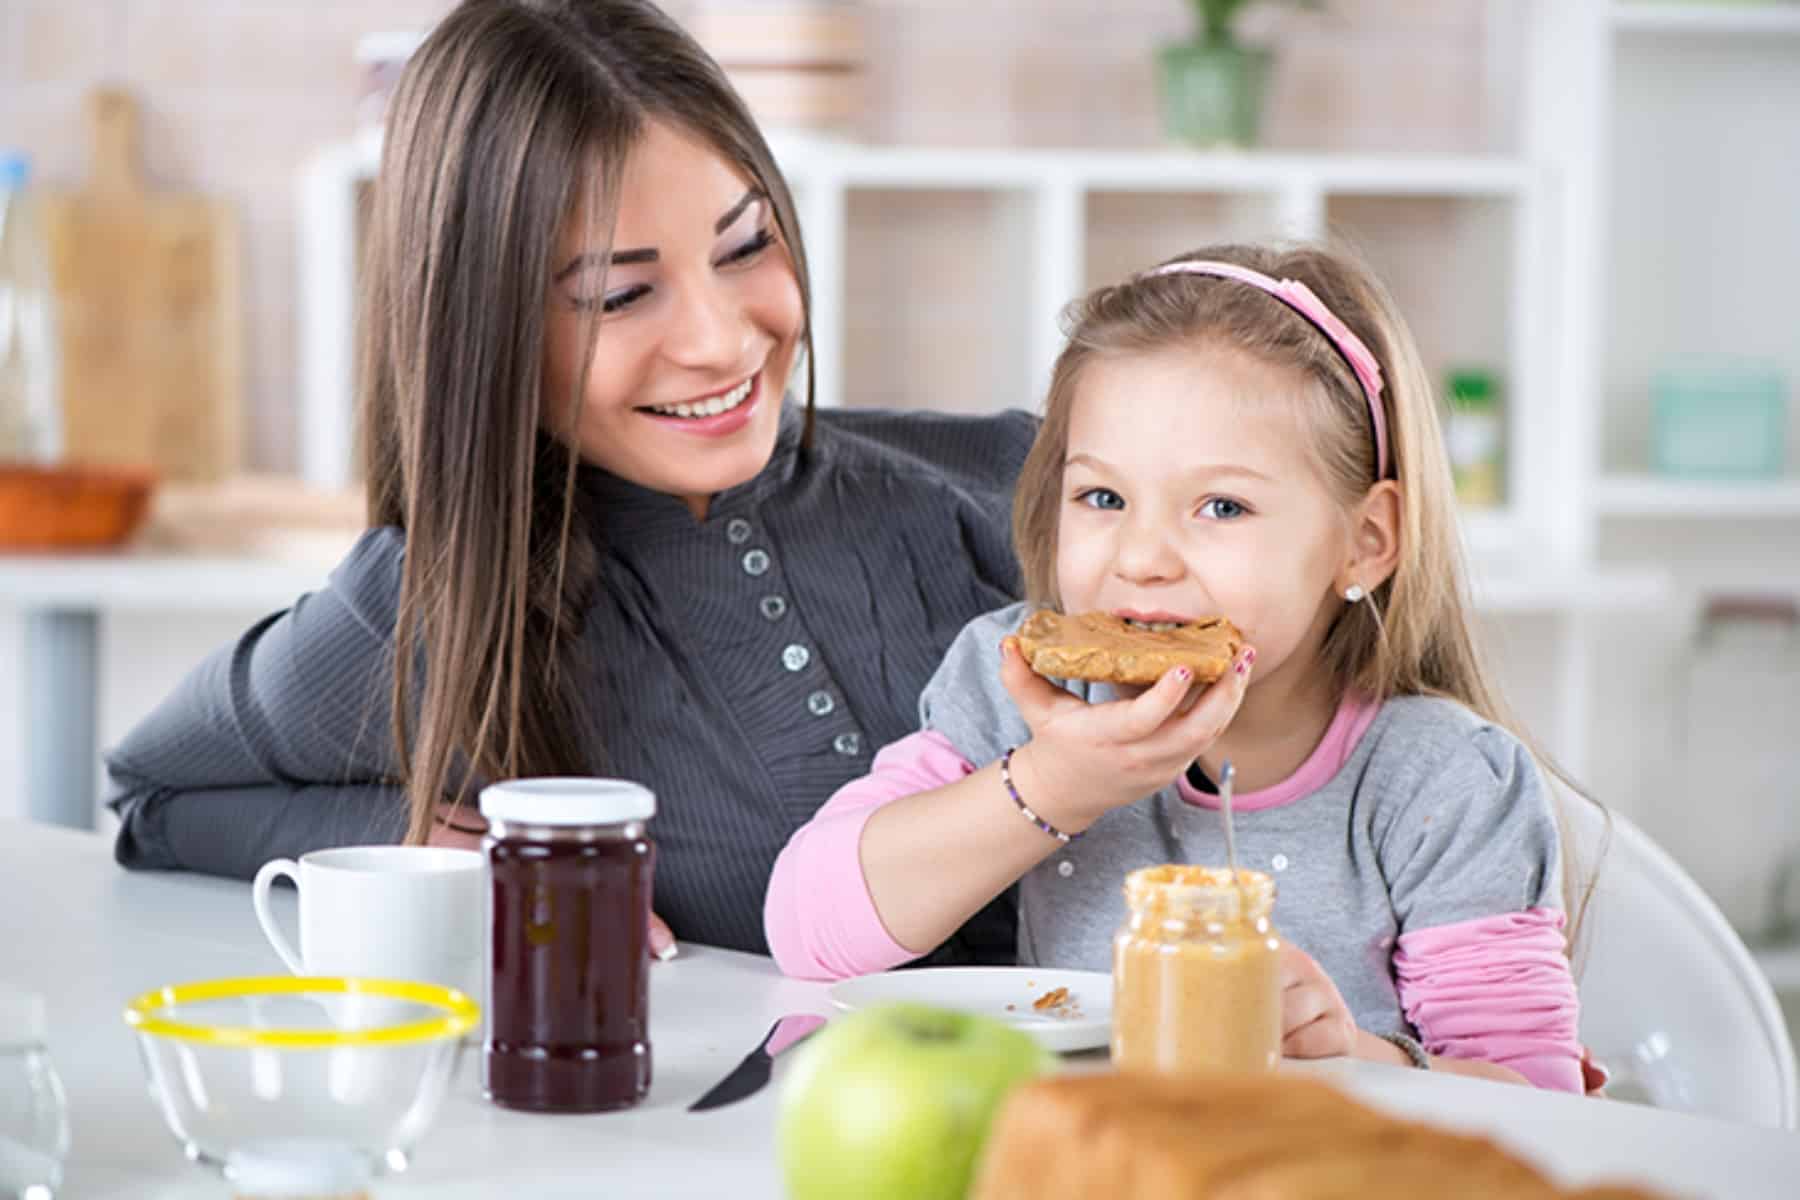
<point x="34" y="1123"/>
<point x="31" y="426"/>
<point x="1197" y="973"/>
<point x="346" y="1112"/>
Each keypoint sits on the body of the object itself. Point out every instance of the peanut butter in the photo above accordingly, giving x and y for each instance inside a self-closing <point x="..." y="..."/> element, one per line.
<point x="1197" y="973"/>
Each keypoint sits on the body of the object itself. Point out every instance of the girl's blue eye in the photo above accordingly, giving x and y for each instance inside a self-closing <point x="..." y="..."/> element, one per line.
<point x="1102" y="498"/>
<point x="1223" y="508"/>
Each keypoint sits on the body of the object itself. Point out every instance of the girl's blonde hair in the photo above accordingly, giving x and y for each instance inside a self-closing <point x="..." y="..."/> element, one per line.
<point x="1411" y="636"/>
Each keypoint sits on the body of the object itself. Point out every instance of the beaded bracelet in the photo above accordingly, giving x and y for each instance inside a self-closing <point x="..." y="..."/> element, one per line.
<point x="1047" y="827"/>
<point x="1409" y="1046"/>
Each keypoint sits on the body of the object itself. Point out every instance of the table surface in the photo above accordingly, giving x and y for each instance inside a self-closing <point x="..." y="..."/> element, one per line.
<point x="90" y="935"/>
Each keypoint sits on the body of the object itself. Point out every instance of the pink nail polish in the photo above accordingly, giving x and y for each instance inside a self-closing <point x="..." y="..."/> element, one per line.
<point x="1243" y="665"/>
<point x="1249" y="655"/>
<point x="1183" y="674"/>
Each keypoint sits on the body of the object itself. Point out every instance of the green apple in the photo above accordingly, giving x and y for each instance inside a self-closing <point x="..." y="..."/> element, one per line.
<point x="894" y="1102"/>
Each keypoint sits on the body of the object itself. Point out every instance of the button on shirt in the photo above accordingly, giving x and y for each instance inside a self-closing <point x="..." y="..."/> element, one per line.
<point x="744" y="667"/>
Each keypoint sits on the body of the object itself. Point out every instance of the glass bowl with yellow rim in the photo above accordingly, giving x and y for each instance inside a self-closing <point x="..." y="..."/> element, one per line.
<point x="300" y="1086"/>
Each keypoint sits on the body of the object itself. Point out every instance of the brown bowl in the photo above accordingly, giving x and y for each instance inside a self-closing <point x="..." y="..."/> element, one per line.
<point x="68" y="507"/>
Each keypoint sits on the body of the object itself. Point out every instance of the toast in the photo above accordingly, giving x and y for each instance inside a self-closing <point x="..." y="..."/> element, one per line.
<point x="1101" y="648"/>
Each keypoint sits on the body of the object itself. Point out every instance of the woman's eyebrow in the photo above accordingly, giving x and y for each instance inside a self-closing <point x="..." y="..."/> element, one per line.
<point x="737" y="210"/>
<point x="619" y="258"/>
<point x="626" y="258"/>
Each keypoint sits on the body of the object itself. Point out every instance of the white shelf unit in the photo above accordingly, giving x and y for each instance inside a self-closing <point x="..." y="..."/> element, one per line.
<point x="1656" y="496"/>
<point x="1047" y="204"/>
<point x="1721" y="20"/>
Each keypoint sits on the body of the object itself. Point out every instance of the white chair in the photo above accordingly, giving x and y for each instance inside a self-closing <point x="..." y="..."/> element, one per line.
<point x="1672" y="1004"/>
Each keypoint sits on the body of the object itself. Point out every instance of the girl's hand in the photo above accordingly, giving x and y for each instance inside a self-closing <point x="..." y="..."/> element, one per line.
<point x="1084" y="759"/>
<point x="1315" y="1021"/>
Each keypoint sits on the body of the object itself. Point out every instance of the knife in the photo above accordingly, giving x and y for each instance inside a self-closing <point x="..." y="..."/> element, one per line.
<point x="749" y="1076"/>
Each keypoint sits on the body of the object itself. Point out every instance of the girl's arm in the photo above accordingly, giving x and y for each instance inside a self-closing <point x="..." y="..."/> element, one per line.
<point x="930" y="845"/>
<point x="919" y="832"/>
<point x="1471" y="855"/>
<point x="1495" y="990"/>
<point x="1375" y="1049"/>
<point x="1316" y="1023"/>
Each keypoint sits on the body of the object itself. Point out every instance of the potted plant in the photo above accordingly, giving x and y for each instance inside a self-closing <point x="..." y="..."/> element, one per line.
<point x="1212" y="86"/>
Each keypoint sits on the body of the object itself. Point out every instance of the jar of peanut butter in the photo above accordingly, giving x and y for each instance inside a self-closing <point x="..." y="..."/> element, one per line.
<point x="1197" y="972"/>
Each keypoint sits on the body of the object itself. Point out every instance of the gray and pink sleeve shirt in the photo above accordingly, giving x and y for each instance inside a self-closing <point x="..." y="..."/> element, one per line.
<point x="1415" y="855"/>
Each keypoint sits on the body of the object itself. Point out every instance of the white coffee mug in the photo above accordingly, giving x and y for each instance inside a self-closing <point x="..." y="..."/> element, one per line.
<point x="386" y="912"/>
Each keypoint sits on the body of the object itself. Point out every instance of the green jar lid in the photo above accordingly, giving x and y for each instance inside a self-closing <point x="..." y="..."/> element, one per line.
<point x="1472" y="387"/>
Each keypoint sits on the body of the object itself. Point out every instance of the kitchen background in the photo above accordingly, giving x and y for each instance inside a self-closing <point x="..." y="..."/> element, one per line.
<point x="1588" y="209"/>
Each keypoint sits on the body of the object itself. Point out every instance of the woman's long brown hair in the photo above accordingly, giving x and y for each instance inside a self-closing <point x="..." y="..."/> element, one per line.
<point x="513" y="116"/>
<point x="1412" y="636"/>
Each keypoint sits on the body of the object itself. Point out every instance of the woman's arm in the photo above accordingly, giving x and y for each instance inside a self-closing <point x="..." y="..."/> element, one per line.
<point x="232" y="831"/>
<point x="278" y="743"/>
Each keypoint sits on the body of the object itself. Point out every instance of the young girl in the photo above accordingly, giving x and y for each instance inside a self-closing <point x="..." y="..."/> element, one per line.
<point x="1245" y="433"/>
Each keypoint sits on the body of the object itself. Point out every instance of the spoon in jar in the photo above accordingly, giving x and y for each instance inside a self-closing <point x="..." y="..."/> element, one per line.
<point x="1226" y="774"/>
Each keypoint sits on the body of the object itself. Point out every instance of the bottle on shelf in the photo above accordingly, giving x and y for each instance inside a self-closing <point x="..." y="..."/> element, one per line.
<point x="30" y="404"/>
<point x="1475" y="432"/>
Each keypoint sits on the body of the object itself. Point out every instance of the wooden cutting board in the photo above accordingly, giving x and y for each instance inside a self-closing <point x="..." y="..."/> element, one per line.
<point x="147" y="284"/>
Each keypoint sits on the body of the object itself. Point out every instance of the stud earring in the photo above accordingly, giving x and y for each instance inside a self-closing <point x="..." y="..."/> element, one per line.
<point x="1354" y="592"/>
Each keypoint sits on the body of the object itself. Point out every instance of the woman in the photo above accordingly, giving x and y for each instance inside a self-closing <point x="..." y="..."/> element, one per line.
<point x="603" y="541"/>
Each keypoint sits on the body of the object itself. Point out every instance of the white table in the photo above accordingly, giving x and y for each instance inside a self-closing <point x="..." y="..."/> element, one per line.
<point x="90" y="935"/>
<point x="61" y="598"/>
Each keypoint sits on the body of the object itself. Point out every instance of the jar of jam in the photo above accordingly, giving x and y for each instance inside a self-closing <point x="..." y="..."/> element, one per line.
<point x="568" y="918"/>
<point x="1197" y="972"/>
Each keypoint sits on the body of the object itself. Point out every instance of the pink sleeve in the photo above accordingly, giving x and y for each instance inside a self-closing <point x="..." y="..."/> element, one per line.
<point x="818" y="916"/>
<point x="1495" y="989"/>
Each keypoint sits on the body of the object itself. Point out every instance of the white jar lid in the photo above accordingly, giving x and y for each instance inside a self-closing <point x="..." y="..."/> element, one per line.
<point x="568" y="801"/>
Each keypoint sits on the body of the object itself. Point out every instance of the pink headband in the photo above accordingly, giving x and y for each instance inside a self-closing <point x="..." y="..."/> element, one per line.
<point x="1300" y="298"/>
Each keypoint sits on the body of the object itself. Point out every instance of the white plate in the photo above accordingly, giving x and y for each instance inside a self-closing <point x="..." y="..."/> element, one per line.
<point x="1003" y="993"/>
